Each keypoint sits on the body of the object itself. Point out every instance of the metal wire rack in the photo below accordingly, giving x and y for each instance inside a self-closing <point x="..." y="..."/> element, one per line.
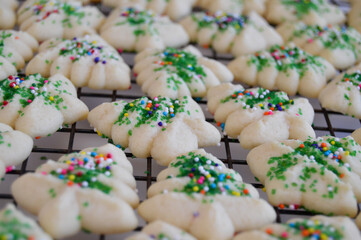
<point x="80" y="135"/>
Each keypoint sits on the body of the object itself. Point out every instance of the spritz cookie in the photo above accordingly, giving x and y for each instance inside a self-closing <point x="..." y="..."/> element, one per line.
<point x="7" y="13"/>
<point x="233" y="6"/>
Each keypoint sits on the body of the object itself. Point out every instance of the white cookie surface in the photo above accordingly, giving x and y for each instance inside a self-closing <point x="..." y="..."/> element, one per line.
<point x="199" y="194"/>
<point x="231" y="33"/>
<point x="93" y="190"/>
<point x="286" y="68"/>
<point x="233" y="6"/>
<point x="321" y="174"/>
<point x="175" y="73"/>
<point x="130" y="29"/>
<point x="86" y="61"/>
<point x="39" y="106"/>
<point x="257" y="115"/>
<point x="7" y="13"/>
<point x="161" y="127"/>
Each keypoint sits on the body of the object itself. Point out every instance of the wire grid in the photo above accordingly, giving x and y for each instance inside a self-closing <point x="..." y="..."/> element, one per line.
<point x="80" y="135"/>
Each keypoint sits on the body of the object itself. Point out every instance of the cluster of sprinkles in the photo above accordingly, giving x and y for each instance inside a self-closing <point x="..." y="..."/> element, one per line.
<point x="160" y="236"/>
<point x="307" y="229"/>
<point x="206" y="177"/>
<point x="303" y="7"/>
<point x="353" y="79"/>
<point x="83" y="169"/>
<point x="4" y="35"/>
<point x="138" y="19"/>
<point x="286" y="58"/>
<point x="13" y="229"/>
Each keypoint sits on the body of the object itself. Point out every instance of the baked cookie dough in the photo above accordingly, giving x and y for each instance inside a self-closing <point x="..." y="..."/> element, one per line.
<point x="357" y="135"/>
<point x="58" y="19"/>
<point x="317" y="227"/>
<point x="161" y="127"/>
<point x="39" y="106"/>
<point x="175" y="73"/>
<point x="354" y="15"/>
<point x="233" y="6"/>
<point x="311" y="12"/>
<point x="93" y="190"/>
<point x="343" y="93"/>
<point x="16" y="48"/>
<point x="130" y="29"/>
<point x="321" y="175"/>
<point x="159" y="230"/>
<point x="86" y="61"/>
<point x="286" y="68"/>
<point x="15" y="147"/>
<point x="198" y="194"/>
<point x="230" y="33"/>
<point x="340" y="46"/>
<point x="7" y="13"/>
<point x="257" y="115"/>
<point x="15" y="225"/>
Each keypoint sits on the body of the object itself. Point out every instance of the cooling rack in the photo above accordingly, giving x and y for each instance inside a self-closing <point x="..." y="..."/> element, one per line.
<point x="81" y="135"/>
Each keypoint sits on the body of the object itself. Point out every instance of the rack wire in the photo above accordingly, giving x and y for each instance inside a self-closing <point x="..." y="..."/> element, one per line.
<point x="81" y="135"/>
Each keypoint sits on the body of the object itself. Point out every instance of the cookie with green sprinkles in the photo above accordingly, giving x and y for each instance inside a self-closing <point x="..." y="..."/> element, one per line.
<point x="16" y="226"/>
<point x="311" y="12"/>
<point x="7" y="13"/>
<point x="233" y="6"/>
<point x="130" y="29"/>
<point x="320" y="174"/>
<point x="160" y="127"/>
<point x="46" y="19"/>
<point x="197" y="193"/>
<point x="341" y="46"/>
<point x="343" y="94"/>
<point x="317" y="227"/>
<point x="174" y="73"/>
<point x="231" y="33"/>
<point x="86" y="61"/>
<point x="257" y="115"/>
<point x="93" y="189"/>
<point x="39" y="106"/>
<point x="286" y="68"/>
<point x="354" y="15"/>
<point x="159" y="230"/>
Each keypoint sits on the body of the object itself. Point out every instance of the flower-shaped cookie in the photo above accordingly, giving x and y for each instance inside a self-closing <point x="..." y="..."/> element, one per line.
<point x="354" y="16"/>
<point x="174" y="73"/>
<point x="15" y="225"/>
<point x="133" y="30"/>
<point x="339" y="46"/>
<point x="321" y="175"/>
<point x="198" y="193"/>
<point x="161" y="127"/>
<point x="86" y="61"/>
<point x="317" y="227"/>
<point x="58" y="19"/>
<point x="7" y="13"/>
<point x="286" y="68"/>
<point x="16" y="48"/>
<point x="159" y="230"/>
<point x="93" y="190"/>
<point x="232" y="33"/>
<point x="232" y="6"/>
<point x="343" y="94"/>
<point x="311" y="12"/>
<point x="257" y="115"/>
<point x="39" y="106"/>
<point x="15" y="147"/>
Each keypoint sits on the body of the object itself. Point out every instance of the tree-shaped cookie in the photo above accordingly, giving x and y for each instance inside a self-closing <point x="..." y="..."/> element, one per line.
<point x="286" y="68"/>
<point x="161" y="127"/>
<point x="321" y="175"/>
<point x="7" y="13"/>
<point x="86" y="61"/>
<point x="16" y="48"/>
<point x="45" y="19"/>
<point x="130" y="29"/>
<point x="231" y="33"/>
<point x="15" y="147"/>
<point x="354" y="15"/>
<point x="174" y="73"/>
<point x="39" y="106"/>
<point x="317" y="227"/>
<point x="93" y="190"/>
<point x="199" y="194"/>
<point x="311" y="12"/>
<point x="233" y="6"/>
<point x="343" y="94"/>
<point x="341" y="46"/>
<point x="159" y="230"/>
<point x="15" y="225"/>
<point x="257" y="115"/>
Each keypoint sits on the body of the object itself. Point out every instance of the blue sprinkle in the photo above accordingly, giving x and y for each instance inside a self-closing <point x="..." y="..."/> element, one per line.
<point x="73" y="159"/>
<point x="107" y="167"/>
<point x="93" y="154"/>
<point x="118" y="146"/>
<point x="86" y="159"/>
<point x="193" y="169"/>
<point x="172" y="115"/>
<point x="89" y="53"/>
<point x="104" y="62"/>
<point x="96" y="60"/>
<point x="154" y="108"/>
<point x="61" y="176"/>
<point x="160" y="124"/>
<point x="142" y="102"/>
<point x="226" y="187"/>
<point x="213" y="185"/>
<point x="165" y="113"/>
<point x="216" y="164"/>
<point x="150" y="112"/>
